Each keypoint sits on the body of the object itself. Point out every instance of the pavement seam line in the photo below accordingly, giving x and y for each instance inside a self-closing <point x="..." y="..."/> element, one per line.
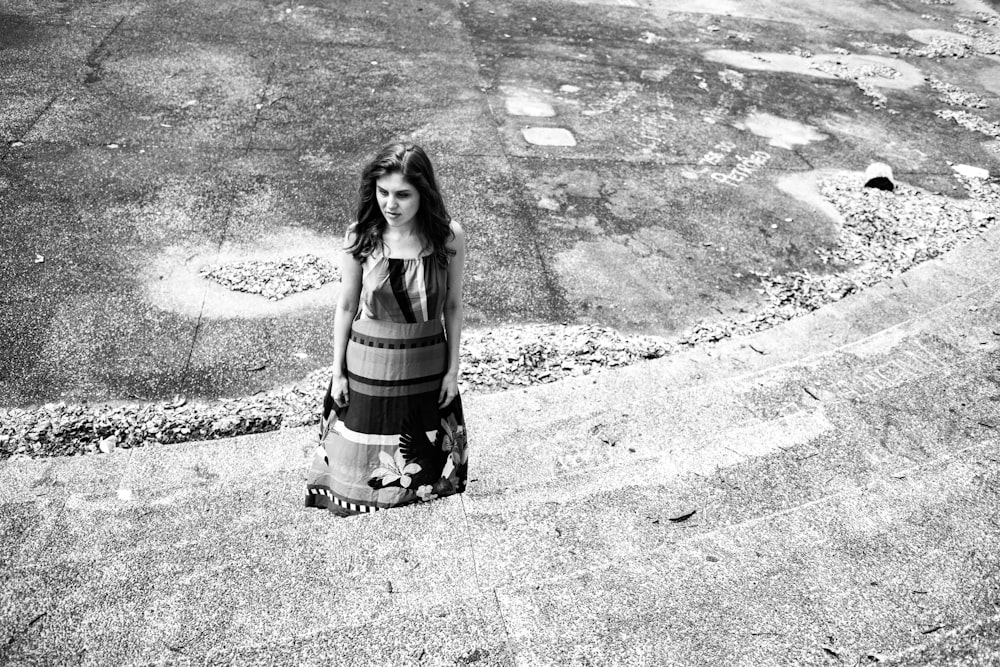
<point x="504" y="623"/>
<point x="88" y="59"/>
<point x="556" y="296"/>
<point x="32" y="124"/>
<point x="479" y="582"/>
<point x="258" y="112"/>
<point x="230" y="205"/>
<point x="231" y="202"/>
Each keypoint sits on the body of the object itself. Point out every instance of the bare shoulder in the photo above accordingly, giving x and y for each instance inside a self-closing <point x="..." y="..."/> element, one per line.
<point x="350" y="235"/>
<point x="457" y="239"/>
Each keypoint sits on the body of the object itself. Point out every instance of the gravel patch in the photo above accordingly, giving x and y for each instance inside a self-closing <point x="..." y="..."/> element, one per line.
<point x="860" y="75"/>
<point x="980" y="42"/>
<point x="983" y="42"/>
<point x="492" y="360"/>
<point x="939" y="47"/>
<point x="274" y="280"/>
<point x="955" y="96"/>
<point x="883" y="235"/>
<point x="970" y="121"/>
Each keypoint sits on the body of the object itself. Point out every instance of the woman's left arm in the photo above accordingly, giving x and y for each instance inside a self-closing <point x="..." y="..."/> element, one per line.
<point x="453" y="313"/>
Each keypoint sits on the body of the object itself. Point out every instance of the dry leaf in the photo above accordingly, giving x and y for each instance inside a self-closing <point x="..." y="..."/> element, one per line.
<point x="176" y="403"/>
<point x="108" y="444"/>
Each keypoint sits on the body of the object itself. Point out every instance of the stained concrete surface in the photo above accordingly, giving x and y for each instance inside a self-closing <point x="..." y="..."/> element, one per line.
<point x="852" y="522"/>
<point x="858" y="526"/>
<point x="147" y="139"/>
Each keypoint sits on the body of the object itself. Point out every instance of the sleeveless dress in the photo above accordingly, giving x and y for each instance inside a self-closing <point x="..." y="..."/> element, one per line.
<point x="391" y="445"/>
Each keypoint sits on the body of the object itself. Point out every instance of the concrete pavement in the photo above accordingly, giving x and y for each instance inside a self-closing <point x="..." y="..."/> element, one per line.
<point x="146" y="141"/>
<point x="756" y="502"/>
<point x="821" y="493"/>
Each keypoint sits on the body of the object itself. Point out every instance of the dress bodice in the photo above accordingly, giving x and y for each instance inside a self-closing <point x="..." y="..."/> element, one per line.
<point x="403" y="290"/>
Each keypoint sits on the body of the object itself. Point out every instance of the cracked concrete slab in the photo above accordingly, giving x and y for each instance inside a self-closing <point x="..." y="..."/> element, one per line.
<point x="272" y="105"/>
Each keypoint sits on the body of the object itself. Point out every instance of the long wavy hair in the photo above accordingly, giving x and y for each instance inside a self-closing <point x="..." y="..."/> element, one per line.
<point x="432" y="220"/>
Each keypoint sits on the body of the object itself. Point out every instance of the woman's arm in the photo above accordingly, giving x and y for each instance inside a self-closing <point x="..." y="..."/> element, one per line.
<point x="453" y="313"/>
<point x="343" y="317"/>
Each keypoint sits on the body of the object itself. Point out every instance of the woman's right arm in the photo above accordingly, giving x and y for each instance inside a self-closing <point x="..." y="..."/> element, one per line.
<point x="347" y="308"/>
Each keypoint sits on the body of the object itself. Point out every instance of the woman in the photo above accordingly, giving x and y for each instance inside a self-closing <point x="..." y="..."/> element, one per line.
<point x="392" y="431"/>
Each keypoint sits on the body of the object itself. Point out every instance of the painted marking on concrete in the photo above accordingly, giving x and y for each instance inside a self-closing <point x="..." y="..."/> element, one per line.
<point x="713" y="158"/>
<point x="969" y="171"/>
<point x="782" y="132"/>
<point x="722" y="109"/>
<point x="655" y="130"/>
<point x="548" y="136"/>
<point x="805" y="188"/>
<point x="739" y="444"/>
<point x="906" y="366"/>
<point x="528" y="106"/>
<point x="744" y="169"/>
<point x="658" y="74"/>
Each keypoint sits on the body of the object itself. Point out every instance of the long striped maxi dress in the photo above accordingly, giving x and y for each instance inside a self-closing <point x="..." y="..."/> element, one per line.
<point x="391" y="445"/>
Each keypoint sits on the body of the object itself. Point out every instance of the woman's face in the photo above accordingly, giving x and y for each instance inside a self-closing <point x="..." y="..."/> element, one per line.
<point x="397" y="199"/>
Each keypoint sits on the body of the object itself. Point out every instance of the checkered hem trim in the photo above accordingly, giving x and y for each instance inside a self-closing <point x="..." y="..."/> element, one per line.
<point x="353" y="507"/>
<point x="397" y="344"/>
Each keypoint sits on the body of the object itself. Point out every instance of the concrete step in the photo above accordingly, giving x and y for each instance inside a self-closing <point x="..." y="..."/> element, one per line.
<point x="170" y="554"/>
<point x="976" y="643"/>
<point x="183" y="544"/>
<point x="857" y="574"/>
<point x="740" y="476"/>
<point x="916" y="324"/>
<point x="521" y="438"/>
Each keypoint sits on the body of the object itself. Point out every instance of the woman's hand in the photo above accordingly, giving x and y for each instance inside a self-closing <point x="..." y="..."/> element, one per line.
<point x="338" y="391"/>
<point x="449" y="389"/>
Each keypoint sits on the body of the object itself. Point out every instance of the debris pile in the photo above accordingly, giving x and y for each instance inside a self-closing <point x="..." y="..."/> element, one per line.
<point x="970" y="121"/>
<point x="955" y="96"/>
<point x="58" y="429"/>
<point x="860" y="75"/>
<point x="492" y="359"/>
<point x="274" y="280"/>
<point x="884" y="233"/>
<point x="532" y="354"/>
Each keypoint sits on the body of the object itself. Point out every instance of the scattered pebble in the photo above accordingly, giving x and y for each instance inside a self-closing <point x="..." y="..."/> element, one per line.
<point x="274" y="280"/>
